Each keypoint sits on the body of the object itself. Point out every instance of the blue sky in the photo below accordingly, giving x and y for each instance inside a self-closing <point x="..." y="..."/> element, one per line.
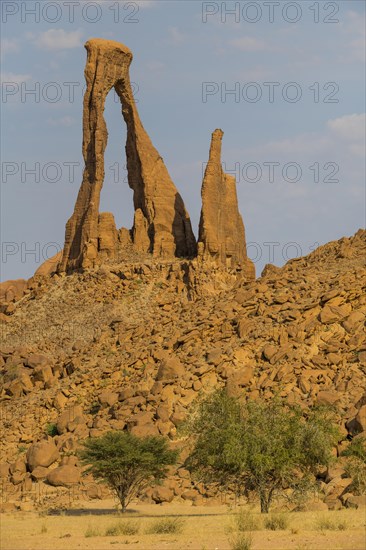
<point x="298" y="154"/>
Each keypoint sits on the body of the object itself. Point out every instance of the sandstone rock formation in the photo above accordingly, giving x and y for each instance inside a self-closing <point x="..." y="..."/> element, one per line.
<point x="164" y="225"/>
<point x="221" y="229"/>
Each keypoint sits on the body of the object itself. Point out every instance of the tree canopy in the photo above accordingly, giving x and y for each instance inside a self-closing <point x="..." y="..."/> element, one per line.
<point x="127" y="463"/>
<point x="265" y="446"/>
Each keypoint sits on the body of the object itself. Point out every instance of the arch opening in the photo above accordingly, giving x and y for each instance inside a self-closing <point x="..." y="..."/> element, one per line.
<point x="116" y="195"/>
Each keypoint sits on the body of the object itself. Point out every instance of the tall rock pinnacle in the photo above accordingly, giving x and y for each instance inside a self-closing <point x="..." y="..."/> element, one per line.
<point x="221" y="229"/>
<point x="162" y="225"/>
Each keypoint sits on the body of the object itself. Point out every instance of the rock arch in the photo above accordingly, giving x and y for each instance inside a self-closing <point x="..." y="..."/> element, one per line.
<point x="161" y="225"/>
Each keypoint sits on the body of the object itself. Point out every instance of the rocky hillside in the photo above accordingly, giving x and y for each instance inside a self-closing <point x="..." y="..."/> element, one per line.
<point x="131" y="346"/>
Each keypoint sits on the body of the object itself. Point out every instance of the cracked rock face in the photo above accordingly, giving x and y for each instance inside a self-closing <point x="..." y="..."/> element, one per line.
<point x="221" y="229"/>
<point x="164" y="226"/>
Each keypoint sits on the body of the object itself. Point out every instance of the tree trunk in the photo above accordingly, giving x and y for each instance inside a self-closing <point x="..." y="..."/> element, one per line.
<point x="122" y="499"/>
<point x="265" y="501"/>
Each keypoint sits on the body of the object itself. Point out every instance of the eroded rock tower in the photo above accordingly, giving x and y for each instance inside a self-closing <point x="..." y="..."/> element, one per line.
<point x="162" y="226"/>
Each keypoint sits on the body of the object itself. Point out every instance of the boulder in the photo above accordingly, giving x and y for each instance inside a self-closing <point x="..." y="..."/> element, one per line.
<point x="269" y="351"/>
<point x="243" y="376"/>
<point x="327" y="397"/>
<point x="332" y="314"/>
<point x="44" y="453"/>
<point x="12" y="290"/>
<point x="353" y="321"/>
<point x="40" y="472"/>
<point x="18" y="466"/>
<point x="38" y="360"/>
<point x="59" y="401"/>
<point x="360" y="420"/>
<point x="68" y="420"/>
<point x="17" y="478"/>
<point x="144" y="430"/>
<point x="162" y="494"/>
<point x="108" y="398"/>
<point x="64" y="476"/>
<point x="4" y="470"/>
<point x="355" y="501"/>
<point x="170" y="369"/>
<point x="43" y="374"/>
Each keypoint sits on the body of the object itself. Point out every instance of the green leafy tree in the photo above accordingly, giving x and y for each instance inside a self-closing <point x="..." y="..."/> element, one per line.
<point x="257" y="445"/>
<point x="356" y="464"/>
<point x="128" y="464"/>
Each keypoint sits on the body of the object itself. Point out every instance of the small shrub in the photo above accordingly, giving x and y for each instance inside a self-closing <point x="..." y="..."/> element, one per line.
<point x="276" y="522"/>
<point x="166" y="526"/>
<point x="246" y="521"/>
<point x="21" y="449"/>
<point x="91" y="532"/>
<point x="112" y="531"/>
<point x="51" y="429"/>
<point x="356" y="449"/>
<point x="326" y="524"/>
<point x="356" y="469"/>
<point x="123" y="528"/>
<point x="129" y="527"/>
<point x="241" y="542"/>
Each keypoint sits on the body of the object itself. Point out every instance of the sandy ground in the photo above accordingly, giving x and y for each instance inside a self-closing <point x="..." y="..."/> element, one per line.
<point x="204" y="528"/>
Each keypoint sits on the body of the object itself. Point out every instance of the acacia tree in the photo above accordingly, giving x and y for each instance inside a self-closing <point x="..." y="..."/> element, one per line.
<point x="127" y="463"/>
<point x="257" y="445"/>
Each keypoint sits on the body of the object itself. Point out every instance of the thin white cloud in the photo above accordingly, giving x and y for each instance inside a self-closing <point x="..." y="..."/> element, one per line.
<point x="14" y="78"/>
<point x="58" y="39"/>
<point x="311" y="143"/>
<point x="349" y="127"/>
<point x="176" y="36"/>
<point x="329" y="141"/>
<point x="63" y="121"/>
<point x="248" y="44"/>
<point x="9" y="45"/>
<point x="353" y="29"/>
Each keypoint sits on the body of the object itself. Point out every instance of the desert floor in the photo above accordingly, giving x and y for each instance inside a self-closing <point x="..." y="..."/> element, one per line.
<point x="203" y="528"/>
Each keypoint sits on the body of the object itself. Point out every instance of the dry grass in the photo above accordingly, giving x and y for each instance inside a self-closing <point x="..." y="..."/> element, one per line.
<point x="242" y="541"/>
<point x="246" y="520"/>
<point x="277" y="522"/>
<point x="166" y="526"/>
<point x="123" y="527"/>
<point x="204" y="528"/>
<point x="329" y="524"/>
